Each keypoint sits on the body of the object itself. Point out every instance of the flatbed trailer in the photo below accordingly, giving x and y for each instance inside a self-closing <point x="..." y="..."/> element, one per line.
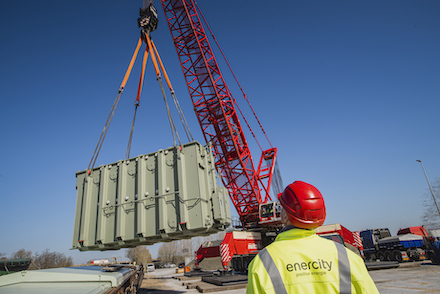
<point x="111" y="279"/>
<point x="14" y="265"/>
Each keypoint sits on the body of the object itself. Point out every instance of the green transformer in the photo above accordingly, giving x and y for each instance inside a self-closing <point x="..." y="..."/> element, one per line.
<point x="167" y="195"/>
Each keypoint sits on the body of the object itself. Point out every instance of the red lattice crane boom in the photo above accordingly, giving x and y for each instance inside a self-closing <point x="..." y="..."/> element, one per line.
<point x="214" y="106"/>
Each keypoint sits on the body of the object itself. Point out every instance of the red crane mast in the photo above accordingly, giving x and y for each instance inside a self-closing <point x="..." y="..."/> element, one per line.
<point x="214" y="106"/>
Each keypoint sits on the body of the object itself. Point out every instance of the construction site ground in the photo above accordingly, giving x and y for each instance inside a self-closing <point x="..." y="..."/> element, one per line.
<point x="415" y="277"/>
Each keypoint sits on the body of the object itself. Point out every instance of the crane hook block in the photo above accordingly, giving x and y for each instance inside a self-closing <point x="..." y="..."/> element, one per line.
<point x="148" y="19"/>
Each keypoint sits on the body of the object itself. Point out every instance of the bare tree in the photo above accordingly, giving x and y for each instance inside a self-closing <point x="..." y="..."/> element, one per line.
<point x="21" y="253"/>
<point x="168" y="252"/>
<point x="49" y="259"/>
<point x="431" y="217"/>
<point x="185" y="249"/>
<point x="3" y="255"/>
<point x="139" y="254"/>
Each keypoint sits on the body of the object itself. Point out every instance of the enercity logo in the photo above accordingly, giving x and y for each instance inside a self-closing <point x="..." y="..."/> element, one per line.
<point x="313" y="267"/>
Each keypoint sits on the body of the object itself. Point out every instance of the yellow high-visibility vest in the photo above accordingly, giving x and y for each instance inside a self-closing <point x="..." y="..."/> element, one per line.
<point x="299" y="261"/>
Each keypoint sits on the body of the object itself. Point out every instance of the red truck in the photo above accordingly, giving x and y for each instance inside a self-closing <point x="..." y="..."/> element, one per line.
<point x="428" y="239"/>
<point x="417" y="230"/>
<point x="340" y="234"/>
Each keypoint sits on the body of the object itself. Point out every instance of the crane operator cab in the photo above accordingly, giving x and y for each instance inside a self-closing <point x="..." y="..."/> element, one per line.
<point x="270" y="212"/>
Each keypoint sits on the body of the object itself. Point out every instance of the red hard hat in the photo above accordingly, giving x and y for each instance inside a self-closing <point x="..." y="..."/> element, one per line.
<point x="304" y="205"/>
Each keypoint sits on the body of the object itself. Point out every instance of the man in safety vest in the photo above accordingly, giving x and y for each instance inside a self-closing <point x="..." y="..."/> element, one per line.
<point x="299" y="261"/>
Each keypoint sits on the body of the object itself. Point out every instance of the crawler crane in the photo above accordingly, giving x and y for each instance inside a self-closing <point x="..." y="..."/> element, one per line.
<point x="248" y="185"/>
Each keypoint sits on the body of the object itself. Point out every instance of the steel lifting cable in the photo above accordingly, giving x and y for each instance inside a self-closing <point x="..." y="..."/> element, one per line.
<point x="115" y="104"/>
<point x="154" y="53"/>
<point x="127" y="153"/>
<point x="159" y="78"/>
<point x="141" y="80"/>
<point x="104" y="132"/>
<point x="137" y="102"/>
<point x="176" y="102"/>
<point x="230" y="68"/>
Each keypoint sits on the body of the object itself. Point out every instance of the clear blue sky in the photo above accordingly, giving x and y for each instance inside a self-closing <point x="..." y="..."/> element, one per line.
<point x="349" y="91"/>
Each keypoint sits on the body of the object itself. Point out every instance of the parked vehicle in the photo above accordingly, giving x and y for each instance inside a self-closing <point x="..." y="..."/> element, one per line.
<point x="169" y="264"/>
<point x="100" y="261"/>
<point x="380" y="245"/>
<point x="150" y="267"/>
<point x="340" y="234"/>
<point x="428" y="238"/>
<point x="418" y="230"/>
<point x="14" y="265"/>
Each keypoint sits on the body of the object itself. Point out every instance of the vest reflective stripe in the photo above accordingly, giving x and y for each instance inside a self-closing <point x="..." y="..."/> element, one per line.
<point x="344" y="270"/>
<point x="272" y="270"/>
<point x="277" y="281"/>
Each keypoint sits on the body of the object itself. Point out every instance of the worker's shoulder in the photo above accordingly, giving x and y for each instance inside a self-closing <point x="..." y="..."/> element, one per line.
<point x="310" y="241"/>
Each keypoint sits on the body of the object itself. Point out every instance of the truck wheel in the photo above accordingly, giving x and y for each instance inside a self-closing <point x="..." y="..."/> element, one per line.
<point x="397" y="256"/>
<point x="380" y="256"/>
<point x="388" y="256"/>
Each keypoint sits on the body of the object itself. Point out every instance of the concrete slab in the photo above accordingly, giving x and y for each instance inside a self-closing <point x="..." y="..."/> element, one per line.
<point x="408" y="278"/>
<point x="424" y="278"/>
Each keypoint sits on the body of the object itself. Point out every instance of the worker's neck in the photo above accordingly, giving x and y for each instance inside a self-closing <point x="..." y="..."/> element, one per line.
<point x="288" y="227"/>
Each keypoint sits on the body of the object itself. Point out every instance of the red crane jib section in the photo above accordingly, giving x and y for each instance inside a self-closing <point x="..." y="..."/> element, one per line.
<point x="216" y="113"/>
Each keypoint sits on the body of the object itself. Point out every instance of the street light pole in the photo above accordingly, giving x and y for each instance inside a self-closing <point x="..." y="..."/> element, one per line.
<point x="429" y="184"/>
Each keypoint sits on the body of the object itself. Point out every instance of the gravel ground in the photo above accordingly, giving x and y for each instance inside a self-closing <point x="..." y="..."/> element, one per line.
<point x="424" y="278"/>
